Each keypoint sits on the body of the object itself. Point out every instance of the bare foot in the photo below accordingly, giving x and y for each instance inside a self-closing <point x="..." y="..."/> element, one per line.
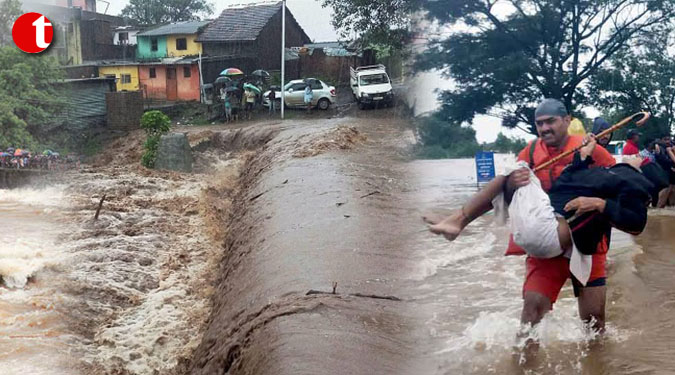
<point x="433" y="219"/>
<point x="450" y="227"/>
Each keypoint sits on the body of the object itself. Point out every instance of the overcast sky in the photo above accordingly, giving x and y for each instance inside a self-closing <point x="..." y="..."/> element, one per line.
<point x="314" y="19"/>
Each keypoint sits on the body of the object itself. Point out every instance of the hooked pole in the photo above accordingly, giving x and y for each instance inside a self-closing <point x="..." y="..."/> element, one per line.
<point x="283" y="54"/>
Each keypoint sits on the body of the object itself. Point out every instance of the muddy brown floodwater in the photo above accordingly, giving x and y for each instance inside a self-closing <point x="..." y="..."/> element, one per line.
<point x="298" y="248"/>
<point x="406" y="302"/>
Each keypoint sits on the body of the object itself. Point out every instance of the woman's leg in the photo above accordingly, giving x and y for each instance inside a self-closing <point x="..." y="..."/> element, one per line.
<point x="479" y="204"/>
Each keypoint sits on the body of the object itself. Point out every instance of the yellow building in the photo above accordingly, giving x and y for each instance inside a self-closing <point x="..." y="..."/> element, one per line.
<point x="126" y="76"/>
<point x="182" y="45"/>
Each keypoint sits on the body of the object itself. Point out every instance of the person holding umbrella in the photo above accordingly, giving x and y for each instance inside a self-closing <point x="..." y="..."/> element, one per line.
<point x="249" y="96"/>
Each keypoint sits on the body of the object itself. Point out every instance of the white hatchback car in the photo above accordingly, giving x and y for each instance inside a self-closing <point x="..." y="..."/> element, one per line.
<point x="323" y="95"/>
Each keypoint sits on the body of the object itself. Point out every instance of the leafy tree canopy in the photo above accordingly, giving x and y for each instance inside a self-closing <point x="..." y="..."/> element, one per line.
<point x="28" y="98"/>
<point x="441" y="138"/>
<point x="385" y="22"/>
<point x="154" y="12"/>
<point x="642" y="78"/>
<point x="506" y="55"/>
<point x="10" y="10"/>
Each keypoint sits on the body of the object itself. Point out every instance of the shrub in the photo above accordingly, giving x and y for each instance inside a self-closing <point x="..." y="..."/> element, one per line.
<point x="155" y="123"/>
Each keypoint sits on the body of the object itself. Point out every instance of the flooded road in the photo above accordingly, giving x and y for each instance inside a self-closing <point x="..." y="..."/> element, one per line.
<point x="34" y="338"/>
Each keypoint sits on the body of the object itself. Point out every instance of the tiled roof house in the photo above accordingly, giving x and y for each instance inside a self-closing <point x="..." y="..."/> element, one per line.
<point x="252" y="32"/>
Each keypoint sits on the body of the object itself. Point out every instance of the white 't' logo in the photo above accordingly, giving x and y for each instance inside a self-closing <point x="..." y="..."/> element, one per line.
<point x="40" y="26"/>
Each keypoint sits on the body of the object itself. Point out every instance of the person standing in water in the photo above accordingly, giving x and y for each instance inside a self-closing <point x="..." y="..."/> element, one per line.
<point x="545" y="277"/>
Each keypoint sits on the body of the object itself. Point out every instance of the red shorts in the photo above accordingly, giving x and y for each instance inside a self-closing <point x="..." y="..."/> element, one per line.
<point x="547" y="276"/>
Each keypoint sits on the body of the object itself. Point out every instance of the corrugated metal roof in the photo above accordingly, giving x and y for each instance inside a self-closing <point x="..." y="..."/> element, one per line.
<point x="189" y="27"/>
<point x="236" y="24"/>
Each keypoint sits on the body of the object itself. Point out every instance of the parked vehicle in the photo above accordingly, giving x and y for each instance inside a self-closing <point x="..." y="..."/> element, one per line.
<point x="323" y="95"/>
<point x="371" y="86"/>
<point x="616" y="147"/>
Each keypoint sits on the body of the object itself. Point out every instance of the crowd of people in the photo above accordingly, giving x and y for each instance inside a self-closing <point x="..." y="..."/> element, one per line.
<point x="657" y="160"/>
<point x="17" y="158"/>
<point x="240" y="100"/>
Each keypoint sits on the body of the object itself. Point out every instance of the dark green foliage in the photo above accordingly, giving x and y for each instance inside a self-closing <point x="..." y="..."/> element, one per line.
<point x="155" y="123"/>
<point x="441" y="138"/>
<point x="504" y="62"/>
<point x="373" y="22"/>
<point x="504" y="144"/>
<point x="155" y="12"/>
<point x="150" y="155"/>
<point x="10" y="10"/>
<point x="29" y="101"/>
<point x="640" y="79"/>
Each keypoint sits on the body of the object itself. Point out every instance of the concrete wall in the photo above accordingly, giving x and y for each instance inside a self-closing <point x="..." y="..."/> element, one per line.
<point x="12" y="178"/>
<point x="118" y="71"/>
<point x="193" y="48"/>
<point x="81" y="71"/>
<point x="155" y="88"/>
<point x="188" y="87"/>
<point x="144" y="47"/>
<point x="131" y="40"/>
<point x="124" y="109"/>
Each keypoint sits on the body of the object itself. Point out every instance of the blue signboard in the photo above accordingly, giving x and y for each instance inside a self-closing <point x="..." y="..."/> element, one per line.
<point x="485" y="166"/>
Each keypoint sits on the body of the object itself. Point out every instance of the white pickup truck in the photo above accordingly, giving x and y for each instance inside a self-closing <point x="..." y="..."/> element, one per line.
<point x="371" y="86"/>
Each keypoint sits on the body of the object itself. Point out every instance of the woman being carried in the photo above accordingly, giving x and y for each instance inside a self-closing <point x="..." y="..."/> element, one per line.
<point x="580" y="206"/>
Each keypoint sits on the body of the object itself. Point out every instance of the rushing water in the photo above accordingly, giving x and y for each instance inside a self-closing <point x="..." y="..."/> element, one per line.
<point x="33" y="336"/>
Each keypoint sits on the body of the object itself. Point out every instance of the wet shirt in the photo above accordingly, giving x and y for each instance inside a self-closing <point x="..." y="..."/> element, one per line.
<point x="630" y="148"/>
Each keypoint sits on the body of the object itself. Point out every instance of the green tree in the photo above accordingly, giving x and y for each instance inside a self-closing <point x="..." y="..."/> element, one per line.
<point x="10" y="10"/>
<point x="383" y="22"/>
<point x="153" y="12"/>
<point x="504" y="56"/>
<point x="504" y="144"/>
<point x="29" y="102"/>
<point x="440" y="138"/>
<point x="640" y="79"/>
<point x="155" y="123"/>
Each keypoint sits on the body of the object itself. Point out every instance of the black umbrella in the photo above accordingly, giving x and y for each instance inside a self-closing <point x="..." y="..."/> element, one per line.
<point x="261" y="73"/>
<point x="222" y="80"/>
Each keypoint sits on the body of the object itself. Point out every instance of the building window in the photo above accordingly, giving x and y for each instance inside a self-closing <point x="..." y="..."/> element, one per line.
<point x="181" y="44"/>
<point x="153" y="73"/>
<point x="126" y="78"/>
<point x="124" y="38"/>
<point x="153" y="44"/>
<point x="187" y="71"/>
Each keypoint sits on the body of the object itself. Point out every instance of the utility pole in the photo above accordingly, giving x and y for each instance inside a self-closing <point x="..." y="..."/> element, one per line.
<point x="283" y="54"/>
